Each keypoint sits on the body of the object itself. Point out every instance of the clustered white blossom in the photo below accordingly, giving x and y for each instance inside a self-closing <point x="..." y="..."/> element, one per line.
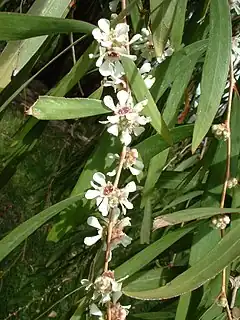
<point x="220" y="222"/>
<point x="220" y="131"/>
<point x="126" y="122"/>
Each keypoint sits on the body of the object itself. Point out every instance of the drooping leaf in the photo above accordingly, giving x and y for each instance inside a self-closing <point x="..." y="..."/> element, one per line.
<point x="153" y="145"/>
<point x="178" y="24"/>
<point x="57" y="108"/>
<point x="17" y="53"/>
<point x="161" y="315"/>
<point x="215" y="69"/>
<point x="146" y="222"/>
<point x="16" y="26"/>
<point x="227" y="250"/>
<point x="162" y="14"/>
<point x="189" y="215"/>
<point x="24" y="230"/>
<point x="178" y="64"/>
<point x="141" y="93"/>
<point x="145" y="256"/>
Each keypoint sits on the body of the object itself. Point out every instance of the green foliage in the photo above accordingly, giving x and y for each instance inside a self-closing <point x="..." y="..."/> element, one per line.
<point x="47" y="166"/>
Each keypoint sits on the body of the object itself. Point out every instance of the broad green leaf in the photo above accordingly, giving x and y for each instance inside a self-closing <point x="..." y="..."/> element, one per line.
<point x="215" y="69"/>
<point x="179" y="85"/>
<point x="183" y="304"/>
<point x="227" y="250"/>
<point x="189" y="215"/>
<point x="161" y="315"/>
<point x="177" y="66"/>
<point x="141" y="92"/>
<point x="135" y="15"/>
<point x="145" y="256"/>
<point x="17" y="53"/>
<point x="156" y="166"/>
<point x="162" y="14"/>
<point x="146" y="222"/>
<point x="58" y="108"/>
<point x="24" y="230"/>
<point x="153" y="145"/>
<point x="80" y="310"/>
<point x="183" y="198"/>
<point x="178" y="24"/>
<point x="16" y="26"/>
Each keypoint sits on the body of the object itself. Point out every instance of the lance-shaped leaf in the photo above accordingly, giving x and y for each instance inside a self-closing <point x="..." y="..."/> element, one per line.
<point x="227" y="250"/>
<point x="145" y="256"/>
<point x="58" y="108"/>
<point x="16" y="26"/>
<point x="24" y="230"/>
<point x="162" y="14"/>
<point x="178" y="24"/>
<point x="189" y="215"/>
<point x="141" y="93"/>
<point x="215" y="69"/>
<point x="17" y="54"/>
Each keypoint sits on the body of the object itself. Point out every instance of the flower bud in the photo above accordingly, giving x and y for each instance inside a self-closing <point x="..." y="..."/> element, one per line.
<point x="220" y="131"/>
<point x="232" y="182"/>
<point x="220" y="222"/>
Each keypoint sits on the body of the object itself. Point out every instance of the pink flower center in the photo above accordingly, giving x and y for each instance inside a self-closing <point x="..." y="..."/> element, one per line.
<point x="124" y="110"/>
<point x="108" y="190"/>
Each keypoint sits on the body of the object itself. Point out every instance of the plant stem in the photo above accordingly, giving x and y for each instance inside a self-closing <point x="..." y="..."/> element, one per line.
<point x="110" y="224"/>
<point x="227" y="175"/>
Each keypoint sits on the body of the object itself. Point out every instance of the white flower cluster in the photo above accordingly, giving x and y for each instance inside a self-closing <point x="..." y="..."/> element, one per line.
<point x="112" y="201"/>
<point x="232" y="183"/>
<point x="221" y="222"/>
<point x="220" y="131"/>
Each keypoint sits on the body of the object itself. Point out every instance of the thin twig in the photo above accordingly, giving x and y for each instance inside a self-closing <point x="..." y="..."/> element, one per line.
<point x="227" y="176"/>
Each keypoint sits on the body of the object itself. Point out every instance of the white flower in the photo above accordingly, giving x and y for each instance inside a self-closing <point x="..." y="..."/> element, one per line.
<point x="93" y="222"/>
<point x="107" y="196"/>
<point x="131" y="162"/>
<point x="111" y="37"/>
<point x="115" y="82"/>
<point x="105" y="286"/>
<point x="103" y="191"/>
<point x="127" y="119"/>
<point x="148" y="78"/>
<point x="144" y="44"/>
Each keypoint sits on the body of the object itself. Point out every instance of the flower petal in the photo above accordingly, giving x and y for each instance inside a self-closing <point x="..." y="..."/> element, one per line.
<point x="112" y="173"/>
<point x="94" y="310"/>
<point x="126" y="240"/>
<point x="140" y="105"/>
<point x="130" y="187"/>
<point x="97" y="34"/>
<point x="113" y="130"/>
<point x="121" y="32"/>
<point x="127" y="204"/>
<point x="139" y="130"/>
<point x="108" y="101"/>
<point x="104" y="25"/>
<point x="126" y="137"/>
<point x="135" y="171"/>
<point x="106" y="69"/>
<point x="145" y="68"/>
<point x="103" y="208"/>
<point x="113" y="119"/>
<point x="99" y="177"/>
<point x="89" y="241"/>
<point x="122" y="97"/>
<point x="91" y="194"/>
<point x="135" y="38"/>
<point x="93" y="222"/>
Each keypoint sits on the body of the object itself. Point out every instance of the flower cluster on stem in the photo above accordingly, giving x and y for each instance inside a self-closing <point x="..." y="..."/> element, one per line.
<point x="112" y="199"/>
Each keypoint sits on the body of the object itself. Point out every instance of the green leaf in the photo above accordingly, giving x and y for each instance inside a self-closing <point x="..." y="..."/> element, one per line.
<point x="215" y="69"/>
<point x="183" y="198"/>
<point x="156" y="166"/>
<point x="189" y="215"/>
<point x="135" y="15"/>
<point x="146" y="222"/>
<point x="17" y="54"/>
<point x="16" y="26"/>
<point x="145" y="256"/>
<point x="178" y="24"/>
<point x="162" y="14"/>
<point x="24" y="230"/>
<point x="183" y="304"/>
<point x="177" y="66"/>
<point x="161" y="315"/>
<point x="153" y="145"/>
<point x="141" y="93"/>
<point x="80" y="309"/>
<point x="57" y="108"/>
<point x="227" y="250"/>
